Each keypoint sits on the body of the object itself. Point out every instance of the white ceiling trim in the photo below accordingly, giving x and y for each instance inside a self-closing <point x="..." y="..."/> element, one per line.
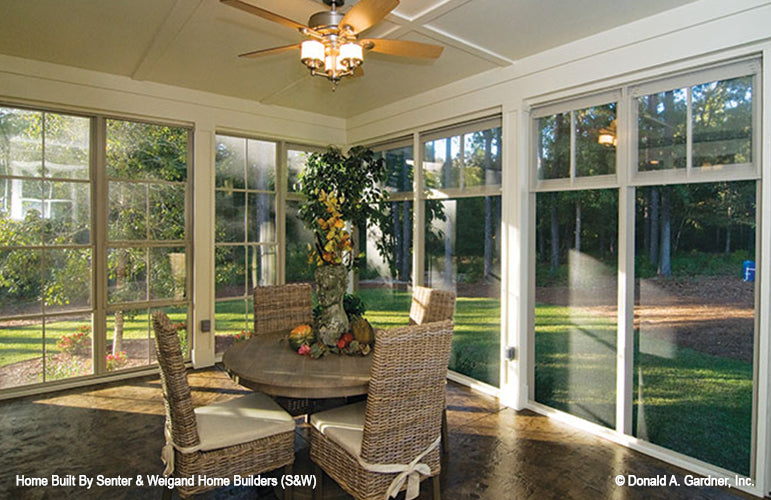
<point x="420" y="24"/>
<point x="464" y="45"/>
<point x="167" y="33"/>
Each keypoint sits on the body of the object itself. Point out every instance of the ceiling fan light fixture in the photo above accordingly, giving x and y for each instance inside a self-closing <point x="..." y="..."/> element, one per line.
<point x="312" y="53"/>
<point x="333" y="49"/>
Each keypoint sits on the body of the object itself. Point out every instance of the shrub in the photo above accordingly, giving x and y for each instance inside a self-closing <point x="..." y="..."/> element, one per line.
<point x="116" y="361"/>
<point x="61" y="367"/>
<point x="78" y="343"/>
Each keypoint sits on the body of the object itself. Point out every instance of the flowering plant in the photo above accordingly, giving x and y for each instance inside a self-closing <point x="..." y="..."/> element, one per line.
<point x="242" y="335"/>
<point x="116" y="361"/>
<point x="78" y="343"/>
<point x="333" y="242"/>
<point x="354" y="179"/>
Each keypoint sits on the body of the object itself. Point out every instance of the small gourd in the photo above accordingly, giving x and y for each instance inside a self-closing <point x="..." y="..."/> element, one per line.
<point x="362" y="331"/>
<point x="300" y="335"/>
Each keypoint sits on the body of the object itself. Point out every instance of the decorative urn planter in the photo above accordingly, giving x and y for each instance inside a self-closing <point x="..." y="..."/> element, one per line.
<point x="331" y="283"/>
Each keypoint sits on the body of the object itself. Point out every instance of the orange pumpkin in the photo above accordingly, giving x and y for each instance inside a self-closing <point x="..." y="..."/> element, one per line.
<point x="300" y="335"/>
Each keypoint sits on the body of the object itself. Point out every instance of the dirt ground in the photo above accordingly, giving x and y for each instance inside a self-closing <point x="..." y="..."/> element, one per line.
<point x="714" y="315"/>
<point x="29" y="371"/>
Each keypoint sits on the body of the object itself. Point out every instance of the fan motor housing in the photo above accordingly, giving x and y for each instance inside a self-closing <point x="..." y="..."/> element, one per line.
<point x="325" y="19"/>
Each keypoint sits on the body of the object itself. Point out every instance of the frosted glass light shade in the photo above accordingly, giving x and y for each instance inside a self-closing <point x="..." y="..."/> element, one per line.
<point x="312" y="52"/>
<point x="332" y="63"/>
<point x="351" y="54"/>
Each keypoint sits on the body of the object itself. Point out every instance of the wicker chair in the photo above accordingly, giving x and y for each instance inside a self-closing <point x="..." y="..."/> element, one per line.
<point x="429" y="305"/>
<point x="370" y="448"/>
<point x="279" y="308"/>
<point x="246" y="436"/>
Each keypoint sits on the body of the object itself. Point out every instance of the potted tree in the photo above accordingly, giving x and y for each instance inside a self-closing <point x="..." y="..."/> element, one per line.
<point x="341" y="192"/>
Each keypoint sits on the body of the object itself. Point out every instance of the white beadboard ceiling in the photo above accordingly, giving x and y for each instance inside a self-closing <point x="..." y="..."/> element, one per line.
<point x="194" y="43"/>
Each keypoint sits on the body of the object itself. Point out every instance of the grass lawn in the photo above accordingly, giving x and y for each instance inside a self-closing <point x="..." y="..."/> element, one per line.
<point x="21" y="342"/>
<point x="691" y="402"/>
<point x="476" y="342"/>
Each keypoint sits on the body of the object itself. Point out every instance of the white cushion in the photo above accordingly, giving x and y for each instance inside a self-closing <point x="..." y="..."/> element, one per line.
<point x="240" y="420"/>
<point x="343" y="425"/>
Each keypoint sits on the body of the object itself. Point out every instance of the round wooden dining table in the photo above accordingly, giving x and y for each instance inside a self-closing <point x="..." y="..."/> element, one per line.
<point x="267" y="364"/>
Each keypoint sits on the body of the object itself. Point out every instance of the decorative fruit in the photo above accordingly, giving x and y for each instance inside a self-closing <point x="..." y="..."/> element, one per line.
<point x="300" y="335"/>
<point x="362" y="331"/>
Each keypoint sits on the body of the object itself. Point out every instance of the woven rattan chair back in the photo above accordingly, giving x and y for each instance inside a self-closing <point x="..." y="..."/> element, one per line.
<point x="176" y="391"/>
<point x="279" y="308"/>
<point x="430" y="305"/>
<point x="405" y="399"/>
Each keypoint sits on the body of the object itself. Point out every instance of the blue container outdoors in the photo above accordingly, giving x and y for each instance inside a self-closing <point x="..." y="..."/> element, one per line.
<point x="748" y="270"/>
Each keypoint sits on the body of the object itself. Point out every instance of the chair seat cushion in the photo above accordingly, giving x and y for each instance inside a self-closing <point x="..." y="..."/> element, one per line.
<point x="343" y="425"/>
<point x="240" y="420"/>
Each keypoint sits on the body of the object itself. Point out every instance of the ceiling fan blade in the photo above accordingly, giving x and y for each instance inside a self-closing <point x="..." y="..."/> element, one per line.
<point x="402" y="48"/>
<point x="366" y="13"/>
<point x="265" y="14"/>
<point x="265" y="52"/>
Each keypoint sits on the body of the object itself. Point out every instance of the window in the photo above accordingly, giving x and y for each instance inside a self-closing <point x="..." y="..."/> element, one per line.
<point x="245" y="231"/>
<point x="688" y="229"/>
<point x="46" y="247"/>
<point x="147" y="236"/>
<point x="461" y="236"/>
<point x="77" y="232"/>
<point x="298" y="237"/>
<point x="578" y="142"/>
<point x="576" y="302"/>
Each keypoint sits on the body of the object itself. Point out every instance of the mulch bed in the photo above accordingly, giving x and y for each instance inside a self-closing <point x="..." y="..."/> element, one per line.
<point x="714" y="315"/>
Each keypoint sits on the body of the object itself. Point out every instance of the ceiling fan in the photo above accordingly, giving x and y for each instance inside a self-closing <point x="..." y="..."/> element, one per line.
<point x="333" y="49"/>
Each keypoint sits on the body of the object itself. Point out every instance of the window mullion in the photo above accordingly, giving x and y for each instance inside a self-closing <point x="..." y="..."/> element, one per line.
<point x="99" y="235"/>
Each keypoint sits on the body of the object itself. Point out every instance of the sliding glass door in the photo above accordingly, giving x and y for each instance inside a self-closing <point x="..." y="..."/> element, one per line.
<point x="674" y="241"/>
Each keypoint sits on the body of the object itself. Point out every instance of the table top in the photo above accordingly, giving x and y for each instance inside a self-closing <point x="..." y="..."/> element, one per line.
<point x="267" y="364"/>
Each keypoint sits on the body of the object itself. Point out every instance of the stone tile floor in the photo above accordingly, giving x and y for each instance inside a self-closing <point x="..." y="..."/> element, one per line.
<point x="494" y="452"/>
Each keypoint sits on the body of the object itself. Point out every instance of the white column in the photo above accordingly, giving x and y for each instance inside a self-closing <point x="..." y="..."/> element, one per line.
<point x="516" y="212"/>
<point x="203" y="244"/>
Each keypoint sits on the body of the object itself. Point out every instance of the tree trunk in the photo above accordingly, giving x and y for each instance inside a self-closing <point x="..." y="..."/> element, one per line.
<point x="730" y="220"/>
<point x="665" y="264"/>
<point x="406" y="241"/>
<point x="120" y="282"/>
<point x="653" y="250"/>
<point x="578" y="227"/>
<point x="555" y="236"/>
<point x="447" y="178"/>
<point x="646" y="243"/>
<point x="489" y="179"/>
<point x="488" y="269"/>
<point x="117" y="340"/>
<point x="397" y="256"/>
